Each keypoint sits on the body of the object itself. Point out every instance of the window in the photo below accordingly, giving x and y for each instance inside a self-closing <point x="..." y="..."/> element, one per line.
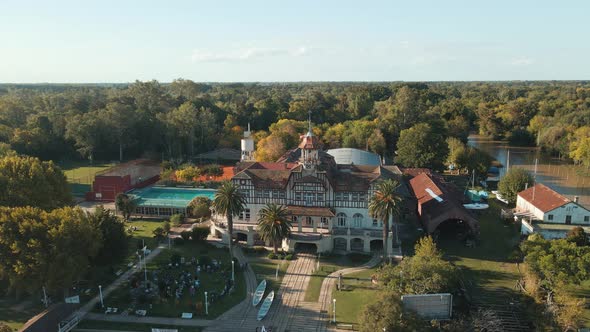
<point x="294" y="219"/>
<point x="357" y="220"/>
<point x="308" y="221"/>
<point x="355" y="197"/>
<point x="320" y="197"/>
<point x="267" y="194"/>
<point x="244" y="215"/>
<point x="324" y="220"/>
<point x="281" y="194"/>
<point x="298" y="196"/>
<point x="550" y="217"/>
<point x="338" y="196"/>
<point x="341" y="219"/>
<point x="247" y="214"/>
<point x="586" y="218"/>
<point x="375" y="223"/>
<point x="309" y="197"/>
<point x="363" y="197"/>
<point x="242" y="181"/>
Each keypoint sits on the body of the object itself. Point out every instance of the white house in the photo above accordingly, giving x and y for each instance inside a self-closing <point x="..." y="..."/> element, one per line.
<point x="544" y="204"/>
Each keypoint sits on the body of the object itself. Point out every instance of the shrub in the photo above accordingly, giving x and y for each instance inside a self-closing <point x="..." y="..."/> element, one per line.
<point x="178" y="241"/>
<point x="158" y="233"/>
<point x="176" y="219"/>
<point x="185" y="235"/>
<point x="199" y="233"/>
<point x="175" y="258"/>
<point x="289" y="257"/>
<point x="167" y="227"/>
<point x="272" y="255"/>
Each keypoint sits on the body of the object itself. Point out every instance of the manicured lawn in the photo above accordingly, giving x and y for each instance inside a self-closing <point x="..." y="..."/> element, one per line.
<point x="115" y="326"/>
<point x="265" y="268"/>
<point x="356" y="294"/>
<point x="328" y="265"/>
<point x="81" y="174"/>
<point x="170" y="306"/>
<point x="583" y="291"/>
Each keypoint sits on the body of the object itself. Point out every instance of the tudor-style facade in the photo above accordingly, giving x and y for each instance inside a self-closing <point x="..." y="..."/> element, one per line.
<point x="328" y="203"/>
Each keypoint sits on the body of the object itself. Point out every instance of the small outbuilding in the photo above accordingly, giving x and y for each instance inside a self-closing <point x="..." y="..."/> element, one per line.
<point x="122" y="178"/>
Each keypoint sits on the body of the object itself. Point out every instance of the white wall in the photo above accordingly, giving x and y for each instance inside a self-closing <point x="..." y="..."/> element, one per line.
<point x="577" y="212"/>
<point x="524" y="205"/>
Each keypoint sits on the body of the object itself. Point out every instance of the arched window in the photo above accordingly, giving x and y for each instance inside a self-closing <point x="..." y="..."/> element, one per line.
<point x="308" y="221"/>
<point x="341" y="219"/>
<point x="357" y="220"/>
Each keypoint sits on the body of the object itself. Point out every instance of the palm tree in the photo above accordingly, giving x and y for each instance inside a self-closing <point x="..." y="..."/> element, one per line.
<point x="384" y="204"/>
<point x="273" y="224"/>
<point x="230" y="202"/>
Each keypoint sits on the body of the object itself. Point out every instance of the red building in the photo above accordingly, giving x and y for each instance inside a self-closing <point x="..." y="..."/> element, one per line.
<point x="122" y="178"/>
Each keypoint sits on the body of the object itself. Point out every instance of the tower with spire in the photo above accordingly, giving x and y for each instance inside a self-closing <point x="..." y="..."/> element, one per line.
<point x="247" y="146"/>
<point x="310" y="146"/>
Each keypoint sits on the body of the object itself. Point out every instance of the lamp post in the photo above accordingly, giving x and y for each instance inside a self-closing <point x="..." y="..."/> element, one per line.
<point x="144" y="267"/>
<point x="100" y="292"/>
<point x="334" y="309"/>
<point x="206" y="305"/>
<point x="277" y="272"/>
<point x="232" y="271"/>
<point x="45" y="297"/>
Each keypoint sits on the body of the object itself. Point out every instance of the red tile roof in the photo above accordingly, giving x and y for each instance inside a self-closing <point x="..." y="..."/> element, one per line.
<point x="546" y="199"/>
<point x="310" y="142"/>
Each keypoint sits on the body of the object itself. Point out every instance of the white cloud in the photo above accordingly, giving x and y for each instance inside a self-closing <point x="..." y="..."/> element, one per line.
<point x="245" y="54"/>
<point x="522" y="61"/>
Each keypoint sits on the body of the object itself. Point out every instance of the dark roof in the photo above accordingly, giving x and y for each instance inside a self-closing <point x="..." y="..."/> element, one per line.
<point x="438" y="202"/>
<point x="546" y="199"/>
<point x="266" y="175"/>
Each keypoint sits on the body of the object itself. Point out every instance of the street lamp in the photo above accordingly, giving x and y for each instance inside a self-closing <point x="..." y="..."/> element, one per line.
<point x="232" y="271"/>
<point x="206" y="305"/>
<point x="100" y="292"/>
<point x="334" y="309"/>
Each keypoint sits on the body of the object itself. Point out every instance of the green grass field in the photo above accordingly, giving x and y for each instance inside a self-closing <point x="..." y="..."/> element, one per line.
<point x="328" y="265"/>
<point x="81" y="174"/>
<point x="356" y="294"/>
<point x="210" y="282"/>
<point x="115" y="326"/>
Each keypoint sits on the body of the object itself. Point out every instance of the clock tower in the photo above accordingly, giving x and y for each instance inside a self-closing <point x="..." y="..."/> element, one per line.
<point x="309" y="146"/>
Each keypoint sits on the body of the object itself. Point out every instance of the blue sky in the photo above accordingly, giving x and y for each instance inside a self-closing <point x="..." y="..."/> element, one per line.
<point x="120" y="41"/>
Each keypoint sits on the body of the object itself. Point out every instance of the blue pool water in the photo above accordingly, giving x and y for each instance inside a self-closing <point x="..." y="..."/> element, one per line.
<point x="169" y="196"/>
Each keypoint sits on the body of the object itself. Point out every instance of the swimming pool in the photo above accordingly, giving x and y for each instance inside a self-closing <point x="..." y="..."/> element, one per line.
<point x="169" y="196"/>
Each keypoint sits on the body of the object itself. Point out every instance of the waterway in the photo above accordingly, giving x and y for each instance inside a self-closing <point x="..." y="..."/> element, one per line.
<point x="562" y="176"/>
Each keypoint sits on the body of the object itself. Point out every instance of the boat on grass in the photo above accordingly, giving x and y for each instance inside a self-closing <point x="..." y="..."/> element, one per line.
<point x="266" y="305"/>
<point x="259" y="293"/>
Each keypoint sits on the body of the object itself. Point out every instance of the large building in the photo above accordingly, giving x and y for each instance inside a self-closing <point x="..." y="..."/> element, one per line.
<point x="327" y="202"/>
<point x="542" y="203"/>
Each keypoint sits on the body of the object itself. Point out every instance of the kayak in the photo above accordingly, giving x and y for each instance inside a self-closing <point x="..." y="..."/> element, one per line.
<point x="476" y="206"/>
<point x="259" y="293"/>
<point x="266" y="305"/>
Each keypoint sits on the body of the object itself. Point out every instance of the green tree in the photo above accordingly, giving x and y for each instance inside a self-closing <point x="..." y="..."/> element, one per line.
<point x="580" y="146"/>
<point x="87" y="131"/>
<point x="384" y="205"/>
<point x="126" y="205"/>
<point x="115" y="240"/>
<point x="5" y="328"/>
<point x="228" y="201"/>
<point x="121" y="120"/>
<point x="421" y="146"/>
<point x="424" y="273"/>
<point x="31" y="182"/>
<point x="201" y="207"/>
<point x="273" y="224"/>
<point x="386" y="313"/>
<point x="578" y="236"/>
<point x="513" y="182"/>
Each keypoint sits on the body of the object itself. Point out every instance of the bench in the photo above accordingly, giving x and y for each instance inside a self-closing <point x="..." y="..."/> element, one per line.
<point x="345" y="326"/>
<point x="187" y="315"/>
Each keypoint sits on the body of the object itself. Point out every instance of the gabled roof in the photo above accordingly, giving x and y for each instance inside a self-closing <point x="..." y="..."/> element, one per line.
<point x="266" y="175"/>
<point x="545" y="198"/>
<point x="309" y="141"/>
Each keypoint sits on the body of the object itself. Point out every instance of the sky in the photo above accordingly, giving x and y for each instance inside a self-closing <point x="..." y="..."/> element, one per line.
<point x="252" y="41"/>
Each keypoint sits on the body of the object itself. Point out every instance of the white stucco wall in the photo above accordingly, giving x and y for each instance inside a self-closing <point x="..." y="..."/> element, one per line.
<point x="576" y="211"/>
<point x="524" y="205"/>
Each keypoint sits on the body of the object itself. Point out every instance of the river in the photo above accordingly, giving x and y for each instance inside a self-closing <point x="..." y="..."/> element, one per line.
<point x="561" y="176"/>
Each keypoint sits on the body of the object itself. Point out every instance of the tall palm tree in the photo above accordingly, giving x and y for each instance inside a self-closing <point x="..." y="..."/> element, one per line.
<point x="273" y="224"/>
<point x="385" y="204"/>
<point x="230" y="202"/>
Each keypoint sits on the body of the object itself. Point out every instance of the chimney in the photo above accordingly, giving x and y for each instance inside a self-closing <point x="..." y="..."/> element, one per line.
<point x="576" y="199"/>
<point x="526" y="186"/>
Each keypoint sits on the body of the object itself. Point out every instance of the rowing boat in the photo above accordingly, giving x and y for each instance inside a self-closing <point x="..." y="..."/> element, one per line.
<point x="259" y="293"/>
<point x="266" y="305"/>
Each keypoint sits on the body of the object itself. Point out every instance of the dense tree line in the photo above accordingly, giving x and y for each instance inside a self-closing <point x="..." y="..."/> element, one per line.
<point x="183" y="118"/>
